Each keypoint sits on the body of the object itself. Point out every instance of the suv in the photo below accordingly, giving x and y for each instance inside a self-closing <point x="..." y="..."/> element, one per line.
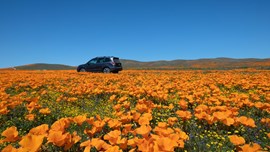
<point x="104" y="64"/>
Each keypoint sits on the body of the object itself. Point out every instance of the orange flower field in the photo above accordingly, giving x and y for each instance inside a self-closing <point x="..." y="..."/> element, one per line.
<point x="135" y="110"/>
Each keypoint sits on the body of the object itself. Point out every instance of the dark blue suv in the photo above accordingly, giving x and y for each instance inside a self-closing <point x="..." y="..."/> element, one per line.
<point x="104" y="64"/>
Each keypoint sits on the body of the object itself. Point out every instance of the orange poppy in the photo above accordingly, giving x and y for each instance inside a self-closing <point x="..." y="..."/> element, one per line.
<point x="30" y="117"/>
<point x="91" y="132"/>
<point x="75" y="138"/>
<point x="135" y="115"/>
<point x="166" y="144"/>
<point x="144" y="121"/>
<point x="182" y="134"/>
<point x="32" y="105"/>
<point x="185" y="115"/>
<point x="142" y="108"/>
<point x="87" y="145"/>
<point x="158" y="106"/>
<point x="112" y="98"/>
<point x="113" y="136"/>
<point x="201" y="108"/>
<point x="31" y="142"/>
<point x="144" y="130"/>
<point x="57" y="138"/>
<point x="59" y="98"/>
<point x="132" y="150"/>
<point x="210" y="119"/>
<point x="265" y="121"/>
<point x="72" y="99"/>
<point x="71" y="140"/>
<point x="126" y="118"/>
<point x="117" y="107"/>
<point x="79" y="119"/>
<point x="107" y="119"/>
<point x="246" y="121"/>
<point x="145" y="145"/>
<point x="118" y="114"/>
<point x="171" y="106"/>
<point x="98" y="144"/>
<point x="90" y="120"/>
<point x="4" y="110"/>
<point x="40" y="130"/>
<point x="122" y="142"/>
<point x="114" y="124"/>
<point x="172" y="120"/>
<point x="11" y="134"/>
<point x="60" y="125"/>
<point x="162" y="125"/>
<point x="162" y="130"/>
<point x="113" y="149"/>
<point x="250" y="122"/>
<point x="9" y="148"/>
<point x="222" y="115"/>
<point x="237" y="140"/>
<point x="201" y="115"/>
<point x="99" y="124"/>
<point x="183" y="104"/>
<point x="122" y="99"/>
<point x="126" y="104"/>
<point x="260" y="105"/>
<point x="174" y="136"/>
<point x="228" y="121"/>
<point x="181" y="143"/>
<point x="254" y="147"/>
<point x="98" y="118"/>
<point x="45" y="111"/>
<point x="132" y="142"/>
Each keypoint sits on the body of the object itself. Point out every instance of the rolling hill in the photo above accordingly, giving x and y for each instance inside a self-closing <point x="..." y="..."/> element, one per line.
<point x="215" y="63"/>
<point x="44" y="66"/>
<point x="208" y="64"/>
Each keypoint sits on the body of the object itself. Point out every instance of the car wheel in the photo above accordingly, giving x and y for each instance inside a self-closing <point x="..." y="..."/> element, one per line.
<point x="106" y="70"/>
<point x="82" y="70"/>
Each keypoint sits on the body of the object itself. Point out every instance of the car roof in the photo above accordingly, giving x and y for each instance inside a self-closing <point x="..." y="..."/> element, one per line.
<point x="106" y="57"/>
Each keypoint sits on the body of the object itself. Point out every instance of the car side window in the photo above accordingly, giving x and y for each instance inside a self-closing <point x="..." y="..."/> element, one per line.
<point x="100" y="60"/>
<point x="107" y="60"/>
<point x="93" y="61"/>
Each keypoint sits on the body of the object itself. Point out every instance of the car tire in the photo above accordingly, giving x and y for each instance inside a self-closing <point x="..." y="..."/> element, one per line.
<point x="106" y="70"/>
<point x="82" y="70"/>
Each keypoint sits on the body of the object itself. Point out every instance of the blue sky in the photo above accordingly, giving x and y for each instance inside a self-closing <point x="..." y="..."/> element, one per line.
<point x="72" y="32"/>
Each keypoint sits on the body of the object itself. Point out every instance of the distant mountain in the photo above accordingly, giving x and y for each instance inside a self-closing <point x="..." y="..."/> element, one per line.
<point x="207" y="64"/>
<point x="44" y="66"/>
<point x="212" y="63"/>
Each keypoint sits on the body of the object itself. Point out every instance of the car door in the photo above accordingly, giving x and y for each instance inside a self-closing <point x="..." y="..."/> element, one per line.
<point x="100" y="64"/>
<point x="92" y="65"/>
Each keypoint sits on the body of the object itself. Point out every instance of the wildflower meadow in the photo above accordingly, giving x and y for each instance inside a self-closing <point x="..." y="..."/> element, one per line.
<point x="135" y="110"/>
